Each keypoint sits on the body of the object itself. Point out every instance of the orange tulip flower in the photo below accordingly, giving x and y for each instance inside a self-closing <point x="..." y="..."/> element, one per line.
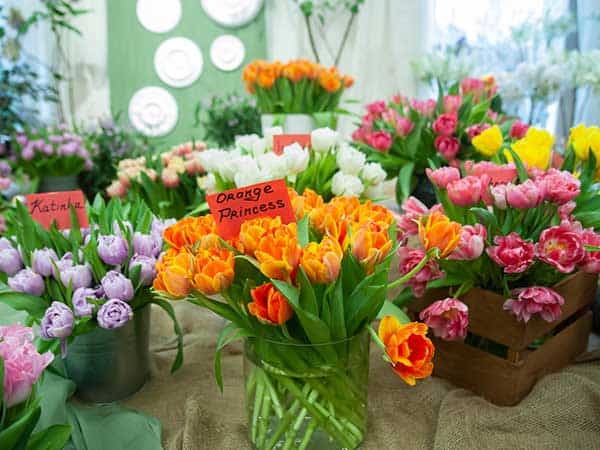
<point x="305" y="203"/>
<point x="293" y="71"/>
<point x="266" y="76"/>
<point x="214" y="270"/>
<point x="189" y="230"/>
<point x="370" y="245"/>
<point x="252" y="231"/>
<point x="408" y="348"/>
<point x="368" y="212"/>
<point x="322" y="261"/>
<point x="330" y="220"/>
<point x="330" y="82"/>
<point x="278" y="252"/>
<point x="269" y="305"/>
<point x="348" y="81"/>
<point x="173" y="275"/>
<point x="437" y="231"/>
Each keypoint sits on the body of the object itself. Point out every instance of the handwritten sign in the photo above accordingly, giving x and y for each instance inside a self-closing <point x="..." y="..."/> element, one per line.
<point x="232" y="208"/>
<point x="282" y="140"/>
<point x="56" y="207"/>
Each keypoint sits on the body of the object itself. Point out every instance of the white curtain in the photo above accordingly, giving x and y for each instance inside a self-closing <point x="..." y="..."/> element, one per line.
<point x="386" y="36"/>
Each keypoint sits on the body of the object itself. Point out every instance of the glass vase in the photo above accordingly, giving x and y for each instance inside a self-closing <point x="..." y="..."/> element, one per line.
<point x="301" y="396"/>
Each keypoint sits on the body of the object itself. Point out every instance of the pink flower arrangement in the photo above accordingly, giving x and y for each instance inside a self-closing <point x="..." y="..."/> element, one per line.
<point x="408" y="260"/>
<point x="562" y="247"/>
<point x="467" y="191"/>
<point x="498" y="173"/>
<point x="451" y="103"/>
<point x="23" y="364"/>
<point x="559" y="186"/>
<point x="535" y="300"/>
<point x="448" y="318"/>
<point x="379" y="140"/>
<point x="512" y="253"/>
<point x="447" y="146"/>
<point x="525" y="195"/>
<point x="443" y="176"/>
<point x="472" y="243"/>
<point x="445" y="124"/>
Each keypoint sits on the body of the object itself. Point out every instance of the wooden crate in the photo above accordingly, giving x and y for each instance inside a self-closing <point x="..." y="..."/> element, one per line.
<point x="506" y="381"/>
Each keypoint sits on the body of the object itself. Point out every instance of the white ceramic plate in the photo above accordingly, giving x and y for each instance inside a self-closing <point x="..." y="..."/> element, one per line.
<point x="178" y="62"/>
<point x="158" y="16"/>
<point x="232" y="13"/>
<point x="227" y="52"/>
<point x="153" y="111"/>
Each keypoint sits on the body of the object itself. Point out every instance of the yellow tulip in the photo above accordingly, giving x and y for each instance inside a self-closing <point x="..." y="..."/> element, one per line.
<point x="489" y="141"/>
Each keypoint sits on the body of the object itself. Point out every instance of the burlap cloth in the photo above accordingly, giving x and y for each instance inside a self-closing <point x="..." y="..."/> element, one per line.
<point x="562" y="411"/>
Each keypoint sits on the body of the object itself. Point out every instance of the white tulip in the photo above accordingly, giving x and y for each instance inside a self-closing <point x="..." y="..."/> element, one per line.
<point x="259" y="147"/>
<point x="373" y="173"/>
<point x="208" y="183"/>
<point x="322" y="139"/>
<point x="246" y="141"/>
<point x="211" y="159"/>
<point x="375" y="192"/>
<point x="296" y="158"/>
<point x="269" y="133"/>
<point x="249" y="177"/>
<point x="234" y="164"/>
<point x="349" y="160"/>
<point x="346" y="185"/>
<point x="275" y="165"/>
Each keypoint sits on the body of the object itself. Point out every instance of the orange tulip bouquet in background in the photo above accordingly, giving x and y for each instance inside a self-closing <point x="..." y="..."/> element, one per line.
<point x="299" y="86"/>
<point x="303" y="295"/>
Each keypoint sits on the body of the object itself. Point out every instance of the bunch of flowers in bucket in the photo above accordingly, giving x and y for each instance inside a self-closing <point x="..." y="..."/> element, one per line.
<point x="74" y="280"/>
<point x="329" y="166"/>
<point x="404" y="135"/>
<point x="167" y="183"/>
<point x="52" y="151"/>
<point x="295" y="87"/>
<point x="303" y="295"/>
<point x="520" y="237"/>
<point x="21" y="366"/>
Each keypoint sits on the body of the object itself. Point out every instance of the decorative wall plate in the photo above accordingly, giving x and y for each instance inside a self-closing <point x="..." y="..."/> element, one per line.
<point x="232" y="13"/>
<point x="178" y="62"/>
<point x="227" y="52"/>
<point x="158" y="16"/>
<point x="153" y="111"/>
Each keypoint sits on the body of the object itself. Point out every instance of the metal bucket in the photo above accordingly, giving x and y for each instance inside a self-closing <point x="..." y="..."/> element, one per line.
<point x="58" y="183"/>
<point x="110" y="365"/>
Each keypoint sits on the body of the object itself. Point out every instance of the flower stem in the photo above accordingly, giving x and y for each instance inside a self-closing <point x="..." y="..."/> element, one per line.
<point x="312" y="426"/>
<point x="415" y="270"/>
<point x="258" y="398"/>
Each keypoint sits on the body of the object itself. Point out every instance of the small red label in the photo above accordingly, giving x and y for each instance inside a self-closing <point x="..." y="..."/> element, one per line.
<point x="283" y="140"/>
<point x="232" y="208"/>
<point x="56" y="207"/>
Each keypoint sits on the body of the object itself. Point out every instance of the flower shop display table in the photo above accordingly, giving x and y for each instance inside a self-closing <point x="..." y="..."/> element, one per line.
<point x="560" y="412"/>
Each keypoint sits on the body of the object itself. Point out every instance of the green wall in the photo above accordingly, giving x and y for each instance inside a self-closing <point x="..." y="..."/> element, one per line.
<point x="131" y="60"/>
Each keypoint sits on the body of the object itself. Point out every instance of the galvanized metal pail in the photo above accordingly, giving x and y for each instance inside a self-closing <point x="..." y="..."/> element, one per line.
<point x="110" y="365"/>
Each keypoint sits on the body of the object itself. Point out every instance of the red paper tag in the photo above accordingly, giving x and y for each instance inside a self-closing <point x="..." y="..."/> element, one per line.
<point x="55" y="206"/>
<point x="232" y="208"/>
<point x="282" y="140"/>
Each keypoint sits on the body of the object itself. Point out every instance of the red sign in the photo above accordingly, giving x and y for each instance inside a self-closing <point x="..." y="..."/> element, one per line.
<point x="56" y="207"/>
<point x="283" y="140"/>
<point x="232" y="208"/>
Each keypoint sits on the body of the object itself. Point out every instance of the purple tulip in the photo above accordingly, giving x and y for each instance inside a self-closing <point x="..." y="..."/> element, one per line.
<point x="27" y="152"/>
<point x="5" y="244"/>
<point x="146" y="244"/>
<point x="158" y="226"/>
<point x="10" y="261"/>
<point x="67" y="149"/>
<point x="27" y="282"/>
<point x="117" y="228"/>
<point x="148" y="268"/>
<point x="79" y="275"/>
<point x="41" y="261"/>
<point x="116" y="285"/>
<point x="112" y="249"/>
<point x="55" y="139"/>
<point x="114" y="314"/>
<point x="5" y="169"/>
<point x="58" y="322"/>
<point x="80" y="303"/>
<point x="22" y="139"/>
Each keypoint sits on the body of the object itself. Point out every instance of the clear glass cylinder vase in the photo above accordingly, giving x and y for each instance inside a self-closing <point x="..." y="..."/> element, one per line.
<point x="302" y="396"/>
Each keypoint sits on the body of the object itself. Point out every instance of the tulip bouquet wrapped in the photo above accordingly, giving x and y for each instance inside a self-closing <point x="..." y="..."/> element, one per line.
<point x="21" y="366"/>
<point x="520" y="237"/>
<point x="52" y="151"/>
<point x="303" y="296"/>
<point x="329" y="167"/>
<point x="74" y="281"/>
<point x="298" y="86"/>
<point x="167" y="183"/>
<point x="405" y="135"/>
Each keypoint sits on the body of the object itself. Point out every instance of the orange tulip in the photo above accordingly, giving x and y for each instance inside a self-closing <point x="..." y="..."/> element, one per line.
<point x="266" y="77"/>
<point x="330" y="220"/>
<point x="305" y="203"/>
<point x="437" y="231"/>
<point x="370" y="245"/>
<point x="173" y="274"/>
<point x="252" y="231"/>
<point x="278" y="252"/>
<point x="187" y="231"/>
<point x="329" y="81"/>
<point x="368" y="212"/>
<point x="269" y="305"/>
<point x="322" y="261"/>
<point x="250" y="72"/>
<point x="293" y="71"/>
<point x="214" y="270"/>
<point x="408" y="348"/>
<point x="348" y="81"/>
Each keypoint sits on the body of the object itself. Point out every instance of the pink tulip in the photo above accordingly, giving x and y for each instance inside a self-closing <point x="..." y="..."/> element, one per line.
<point x="376" y="108"/>
<point x="452" y="103"/>
<point x="466" y="191"/>
<point x="471" y="244"/>
<point x="561" y="246"/>
<point x="414" y="205"/>
<point x="559" y="186"/>
<point x="425" y="108"/>
<point x="535" y="300"/>
<point x="399" y="99"/>
<point x="447" y="146"/>
<point x="448" y="318"/>
<point x="591" y="261"/>
<point x="391" y="116"/>
<point x="473" y="86"/>
<point x="116" y="189"/>
<point x="498" y="173"/>
<point x="445" y="124"/>
<point x="404" y="126"/>
<point x="170" y="178"/>
<point x="379" y="140"/>
<point x="408" y="260"/>
<point x="407" y="223"/>
<point x="476" y="130"/>
<point x="498" y="195"/>
<point x="565" y="210"/>
<point x="443" y="176"/>
<point x="518" y="130"/>
<point x="525" y="195"/>
<point x="512" y="253"/>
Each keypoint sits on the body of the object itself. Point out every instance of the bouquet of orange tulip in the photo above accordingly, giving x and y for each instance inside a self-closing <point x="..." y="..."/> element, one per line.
<point x="297" y="86"/>
<point x="303" y="295"/>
